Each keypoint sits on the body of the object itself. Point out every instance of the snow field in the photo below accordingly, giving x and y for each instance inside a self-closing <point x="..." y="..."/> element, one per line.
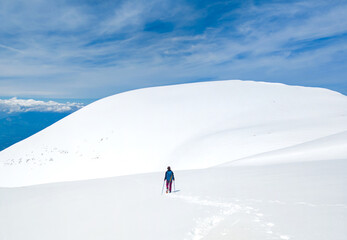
<point x="270" y="163"/>
<point x="287" y="201"/>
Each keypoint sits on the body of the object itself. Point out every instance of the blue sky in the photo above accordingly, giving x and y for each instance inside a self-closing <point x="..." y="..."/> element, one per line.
<point x="92" y="49"/>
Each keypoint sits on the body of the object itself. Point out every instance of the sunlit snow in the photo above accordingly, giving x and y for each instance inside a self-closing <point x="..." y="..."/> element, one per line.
<point x="251" y="160"/>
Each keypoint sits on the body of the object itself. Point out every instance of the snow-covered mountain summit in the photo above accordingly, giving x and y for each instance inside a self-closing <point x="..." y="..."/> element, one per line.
<point x="188" y="126"/>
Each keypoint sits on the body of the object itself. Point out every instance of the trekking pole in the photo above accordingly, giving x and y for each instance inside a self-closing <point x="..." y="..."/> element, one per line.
<point x="162" y="189"/>
<point x="174" y="186"/>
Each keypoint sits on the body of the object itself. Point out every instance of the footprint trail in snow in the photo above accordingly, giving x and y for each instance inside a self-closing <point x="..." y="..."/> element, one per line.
<point x="229" y="219"/>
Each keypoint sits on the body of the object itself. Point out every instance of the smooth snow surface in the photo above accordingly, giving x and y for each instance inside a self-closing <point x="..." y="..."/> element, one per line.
<point x="301" y="201"/>
<point x="188" y="126"/>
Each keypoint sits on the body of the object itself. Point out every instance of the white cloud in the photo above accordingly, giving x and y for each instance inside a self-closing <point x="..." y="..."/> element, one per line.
<point x="94" y="50"/>
<point x="30" y="105"/>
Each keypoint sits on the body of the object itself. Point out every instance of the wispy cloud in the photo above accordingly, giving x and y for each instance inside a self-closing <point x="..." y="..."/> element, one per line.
<point x="93" y="49"/>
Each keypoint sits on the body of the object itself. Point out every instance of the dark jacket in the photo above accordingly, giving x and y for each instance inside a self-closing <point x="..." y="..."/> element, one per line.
<point x="169" y="176"/>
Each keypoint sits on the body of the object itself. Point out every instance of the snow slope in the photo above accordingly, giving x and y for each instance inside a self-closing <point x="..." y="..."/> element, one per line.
<point x="275" y="155"/>
<point x="330" y="147"/>
<point x="188" y="126"/>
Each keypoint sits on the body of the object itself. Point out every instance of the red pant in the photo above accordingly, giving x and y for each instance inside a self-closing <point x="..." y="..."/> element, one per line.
<point x="168" y="185"/>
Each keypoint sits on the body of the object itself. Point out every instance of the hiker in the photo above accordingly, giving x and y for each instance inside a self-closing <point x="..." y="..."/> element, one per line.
<point x="169" y="177"/>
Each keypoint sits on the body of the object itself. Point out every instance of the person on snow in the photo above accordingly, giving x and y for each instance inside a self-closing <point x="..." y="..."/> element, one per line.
<point x="169" y="177"/>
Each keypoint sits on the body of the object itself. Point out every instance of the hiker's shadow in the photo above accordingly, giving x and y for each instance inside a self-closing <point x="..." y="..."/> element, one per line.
<point x="176" y="191"/>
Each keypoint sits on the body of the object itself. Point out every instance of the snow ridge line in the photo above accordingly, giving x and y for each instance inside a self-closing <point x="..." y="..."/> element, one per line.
<point x="280" y="151"/>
